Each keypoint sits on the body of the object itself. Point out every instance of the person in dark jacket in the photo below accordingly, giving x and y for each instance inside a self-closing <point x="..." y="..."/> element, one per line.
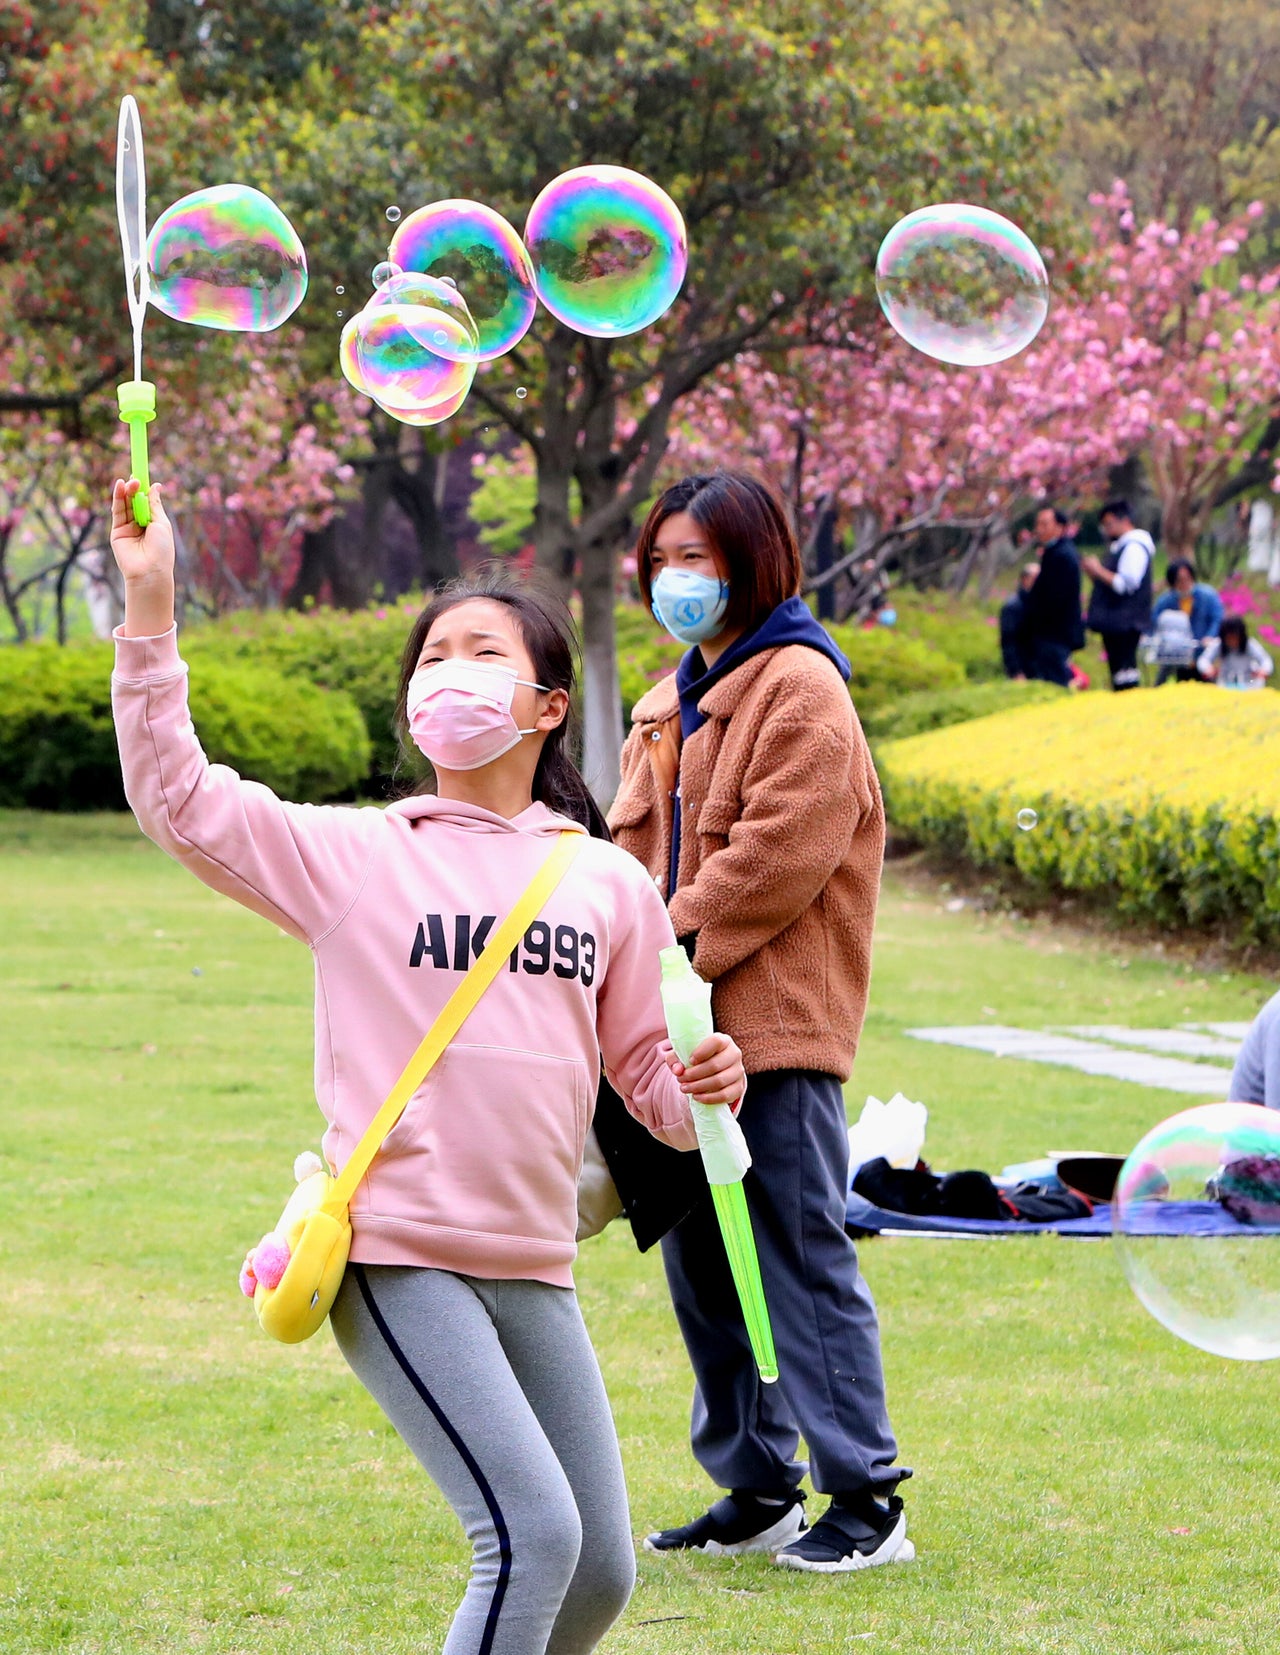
<point x="1120" y="603"/>
<point x="1013" y="617"/>
<point x="1051" y="621"/>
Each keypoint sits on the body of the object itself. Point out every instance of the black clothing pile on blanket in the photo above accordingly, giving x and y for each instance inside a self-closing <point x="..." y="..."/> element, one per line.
<point x="963" y="1195"/>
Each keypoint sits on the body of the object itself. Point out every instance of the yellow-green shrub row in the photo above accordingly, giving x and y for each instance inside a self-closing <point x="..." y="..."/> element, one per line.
<point x="1165" y="801"/>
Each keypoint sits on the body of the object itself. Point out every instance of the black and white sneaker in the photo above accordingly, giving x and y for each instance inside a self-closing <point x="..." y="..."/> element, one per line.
<point x="739" y="1523"/>
<point x="852" y="1536"/>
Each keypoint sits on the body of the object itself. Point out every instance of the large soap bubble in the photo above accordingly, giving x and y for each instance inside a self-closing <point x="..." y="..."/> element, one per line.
<point x="609" y="250"/>
<point x="226" y="257"/>
<point x="382" y="358"/>
<point x="475" y="248"/>
<point x="962" y="284"/>
<point x="1212" y="1174"/>
<point x="432" y="414"/>
<point x="420" y="299"/>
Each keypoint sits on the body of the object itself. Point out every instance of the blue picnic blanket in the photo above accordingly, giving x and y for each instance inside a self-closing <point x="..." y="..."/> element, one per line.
<point x="1158" y="1218"/>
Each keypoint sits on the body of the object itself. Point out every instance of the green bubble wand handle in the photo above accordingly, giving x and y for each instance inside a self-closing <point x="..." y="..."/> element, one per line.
<point x="137" y="399"/>
<point x="686" y="999"/>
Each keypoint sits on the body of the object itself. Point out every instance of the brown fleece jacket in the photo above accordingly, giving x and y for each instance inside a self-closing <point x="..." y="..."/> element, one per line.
<point x="781" y="845"/>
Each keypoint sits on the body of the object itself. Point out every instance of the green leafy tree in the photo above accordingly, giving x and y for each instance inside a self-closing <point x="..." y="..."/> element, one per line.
<point x="791" y="134"/>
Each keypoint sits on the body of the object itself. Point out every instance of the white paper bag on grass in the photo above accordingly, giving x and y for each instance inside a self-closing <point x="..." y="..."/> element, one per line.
<point x="895" y="1130"/>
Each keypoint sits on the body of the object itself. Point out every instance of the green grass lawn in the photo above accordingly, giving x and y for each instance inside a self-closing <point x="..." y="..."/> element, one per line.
<point x="170" y="1480"/>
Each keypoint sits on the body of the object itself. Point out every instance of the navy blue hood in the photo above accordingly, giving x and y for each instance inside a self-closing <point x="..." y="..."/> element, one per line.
<point x="790" y="623"/>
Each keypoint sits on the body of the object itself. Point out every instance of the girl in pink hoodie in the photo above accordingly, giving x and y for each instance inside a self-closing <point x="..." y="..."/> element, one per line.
<point x="457" y="1311"/>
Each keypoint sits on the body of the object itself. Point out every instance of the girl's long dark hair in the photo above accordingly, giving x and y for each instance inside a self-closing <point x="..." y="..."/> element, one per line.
<point x="548" y="633"/>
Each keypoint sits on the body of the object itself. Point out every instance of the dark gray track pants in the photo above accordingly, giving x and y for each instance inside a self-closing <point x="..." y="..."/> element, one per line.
<point x="495" y="1388"/>
<point x="831" y="1382"/>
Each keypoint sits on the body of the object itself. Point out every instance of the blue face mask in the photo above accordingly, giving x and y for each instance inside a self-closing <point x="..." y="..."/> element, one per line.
<point x="690" y="606"/>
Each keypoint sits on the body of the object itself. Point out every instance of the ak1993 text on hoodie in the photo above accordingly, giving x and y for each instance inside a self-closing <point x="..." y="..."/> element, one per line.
<point x="480" y="1173"/>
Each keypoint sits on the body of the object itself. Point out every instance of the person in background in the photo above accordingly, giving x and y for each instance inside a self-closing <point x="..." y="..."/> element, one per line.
<point x="1012" y="626"/>
<point x="1256" y="1076"/>
<point x="1052" y="627"/>
<point x="1234" y="660"/>
<point x="1120" y="603"/>
<point x="1190" y="609"/>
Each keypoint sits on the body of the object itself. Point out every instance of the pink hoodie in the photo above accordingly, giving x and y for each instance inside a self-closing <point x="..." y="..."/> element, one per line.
<point x="480" y="1173"/>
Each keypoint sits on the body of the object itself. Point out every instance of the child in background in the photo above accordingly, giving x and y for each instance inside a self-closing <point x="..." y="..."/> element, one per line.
<point x="457" y="1310"/>
<point x="1233" y="659"/>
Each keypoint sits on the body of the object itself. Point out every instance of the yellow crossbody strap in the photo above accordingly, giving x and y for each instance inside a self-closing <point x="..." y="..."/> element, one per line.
<point x="457" y="1009"/>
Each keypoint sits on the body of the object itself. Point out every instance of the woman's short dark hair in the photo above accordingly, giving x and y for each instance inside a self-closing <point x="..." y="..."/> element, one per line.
<point x="546" y="628"/>
<point x="747" y="526"/>
<point x="1234" y="623"/>
<point x="1176" y="566"/>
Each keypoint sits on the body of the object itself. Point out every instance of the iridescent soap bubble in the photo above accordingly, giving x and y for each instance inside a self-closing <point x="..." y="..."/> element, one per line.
<point x="422" y="299"/>
<point x="477" y="251"/>
<point x="962" y="284"/>
<point x="382" y="273"/>
<point x="393" y="215"/>
<point x="447" y="382"/>
<point x="433" y="414"/>
<point x="397" y="369"/>
<point x="228" y="258"/>
<point x="1026" y="820"/>
<point x="609" y="250"/>
<point x="1215" y="1170"/>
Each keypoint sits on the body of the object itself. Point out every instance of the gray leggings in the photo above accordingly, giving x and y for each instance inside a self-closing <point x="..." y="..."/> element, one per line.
<point x="495" y="1388"/>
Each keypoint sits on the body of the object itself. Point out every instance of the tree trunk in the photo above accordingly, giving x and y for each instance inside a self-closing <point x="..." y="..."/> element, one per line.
<point x="418" y="493"/>
<point x="601" y="695"/>
<point x="555" y="548"/>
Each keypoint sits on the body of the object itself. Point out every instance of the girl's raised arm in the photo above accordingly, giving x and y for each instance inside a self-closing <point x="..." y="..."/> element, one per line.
<point x="299" y="865"/>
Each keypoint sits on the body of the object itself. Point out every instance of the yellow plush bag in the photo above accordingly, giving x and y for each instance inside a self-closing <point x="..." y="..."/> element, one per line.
<point x="293" y="1274"/>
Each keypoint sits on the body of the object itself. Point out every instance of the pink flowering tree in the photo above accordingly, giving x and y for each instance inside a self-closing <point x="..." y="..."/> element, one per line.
<point x="255" y="454"/>
<point x="1159" y="346"/>
<point x="256" y="464"/>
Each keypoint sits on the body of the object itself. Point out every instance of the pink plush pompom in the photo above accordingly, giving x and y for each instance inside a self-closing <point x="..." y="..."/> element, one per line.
<point x="270" y="1260"/>
<point x="248" y="1281"/>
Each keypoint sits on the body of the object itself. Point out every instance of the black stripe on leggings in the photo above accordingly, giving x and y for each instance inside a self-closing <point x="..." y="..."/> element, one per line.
<point x="464" y="1453"/>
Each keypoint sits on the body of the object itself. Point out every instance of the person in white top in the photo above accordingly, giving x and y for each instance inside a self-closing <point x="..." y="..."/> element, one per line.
<point x="1120" y="604"/>
<point x="1234" y="660"/>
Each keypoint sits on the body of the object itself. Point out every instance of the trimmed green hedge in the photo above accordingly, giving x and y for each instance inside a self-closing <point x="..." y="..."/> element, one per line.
<point x="936" y="709"/>
<point x="356" y="652"/>
<point x="956" y="628"/>
<point x="887" y="665"/>
<point x="58" y="745"/>
<point x="1162" y="803"/>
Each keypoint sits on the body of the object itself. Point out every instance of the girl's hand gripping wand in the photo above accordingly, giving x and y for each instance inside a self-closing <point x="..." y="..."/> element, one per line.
<point x="686" y="999"/>
<point x="137" y="397"/>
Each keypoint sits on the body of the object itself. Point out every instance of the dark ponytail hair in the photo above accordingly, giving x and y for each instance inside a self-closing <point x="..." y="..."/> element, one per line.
<point x="548" y="633"/>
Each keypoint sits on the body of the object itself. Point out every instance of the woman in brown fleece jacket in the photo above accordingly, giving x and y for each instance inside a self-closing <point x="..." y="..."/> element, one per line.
<point x="749" y="794"/>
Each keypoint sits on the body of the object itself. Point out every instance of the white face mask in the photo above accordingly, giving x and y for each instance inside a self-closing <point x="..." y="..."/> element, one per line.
<point x="460" y="713"/>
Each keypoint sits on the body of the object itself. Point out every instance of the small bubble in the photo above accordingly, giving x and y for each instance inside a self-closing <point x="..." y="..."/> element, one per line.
<point x="450" y="280"/>
<point x="573" y="103"/>
<point x="1026" y="820"/>
<point x="339" y="290"/>
<point x="382" y="273"/>
<point x="125" y="146"/>
<point x="393" y="215"/>
<point x="521" y="392"/>
<point x="440" y="337"/>
<point x="339" y="313"/>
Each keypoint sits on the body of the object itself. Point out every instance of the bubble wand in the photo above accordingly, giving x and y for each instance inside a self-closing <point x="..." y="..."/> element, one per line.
<point x="137" y="397"/>
<point x="686" y="999"/>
